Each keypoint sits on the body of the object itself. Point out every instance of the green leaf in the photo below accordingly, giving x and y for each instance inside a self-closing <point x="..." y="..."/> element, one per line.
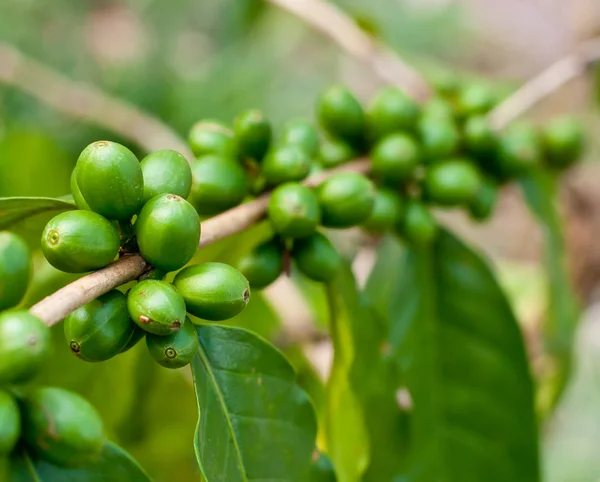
<point x="15" y="209"/>
<point x="114" y="465"/>
<point x="255" y="423"/>
<point x="463" y="355"/>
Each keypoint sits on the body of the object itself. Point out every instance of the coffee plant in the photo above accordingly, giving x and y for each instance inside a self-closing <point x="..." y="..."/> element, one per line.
<point x="430" y="379"/>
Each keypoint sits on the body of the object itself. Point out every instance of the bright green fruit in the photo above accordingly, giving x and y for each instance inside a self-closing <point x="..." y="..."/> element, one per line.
<point x="252" y="133"/>
<point x="75" y="191"/>
<point x="294" y="210"/>
<point x="211" y="137"/>
<point x="519" y="150"/>
<point x="452" y="182"/>
<point x="263" y="265"/>
<point x="479" y="138"/>
<point x="474" y="99"/>
<point x="321" y="470"/>
<point x="387" y="212"/>
<point x="168" y="232"/>
<point x="303" y="134"/>
<point x="24" y="345"/>
<point x="335" y="152"/>
<point x="563" y="141"/>
<point x="156" y="307"/>
<point x="218" y="183"/>
<point x="80" y="241"/>
<point x="482" y="206"/>
<point x="391" y="111"/>
<point x="15" y="269"/>
<point x="395" y="157"/>
<point x="110" y="180"/>
<point x="346" y="199"/>
<point x="100" y="329"/>
<point x="437" y="108"/>
<point x="10" y="423"/>
<point x="439" y="137"/>
<point x="176" y="350"/>
<point x="61" y="427"/>
<point x="166" y="172"/>
<point x="285" y="164"/>
<point x="418" y="226"/>
<point x="341" y="115"/>
<point x="213" y="291"/>
<point x="316" y="257"/>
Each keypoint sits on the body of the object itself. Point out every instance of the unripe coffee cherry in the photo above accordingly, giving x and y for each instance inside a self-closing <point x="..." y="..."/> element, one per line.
<point x="519" y="150"/>
<point x="24" y="345"/>
<point x="176" y="350"/>
<point x="213" y="291"/>
<point x="10" y="423"/>
<point x="211" y="137"/>
<point x="391" y="111"/>
<point x="395" y="158"/>
<point x="479" y="138"/>
<point x="482" y="206"/>
<point x="166" y="172"/>
<point x="263" y="265"/>
<point x="322" y="470"/>
<point x="437" y="108"/>
<point x="100" y="329"/>
<point x="303" y="134"/>
<point x="80" y="241"/>
<point x="285" y="164"/>
<point x="418" y="225"/>
<point x="252" y="134"/>
<point x="77" y="196"/>
<point x="110" y="180"/>
<point x="474" y="99"/>
<point x="387" y="212"/>
<point x="15" y="269"/>
<point x="316" y="257"/>
<point x="156" y="307"/>
<point x="346" y="199"/>
<point x="452" y="182"/>
<point x="218" y="183"/>
<point x="335" y="152"/>
<point x="61" y="427"/>
<point x="294" y="210"/>
<point x="341" y="115"/>
<point x="168" y="232"/>
<point x="563" y="140"/>
<point x="439" y="137"/>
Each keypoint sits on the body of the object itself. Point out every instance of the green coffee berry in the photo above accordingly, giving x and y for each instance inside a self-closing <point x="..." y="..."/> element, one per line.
<point x="136" y="337"/>
<point x="563" y="141"/>
<point x="100" y="329"/>
<point x="218" y="184"/>
<point x="474" y="99"/>
<point x="418" y="225"/>
<point x="519" y="150"/>
<point x="211" y="137"/>
<point x="176" y="350"/>
<point x="252" y="134"/>
<point x="213" y="291"/>
<point x="437" y="108"/>
<point x="390" y="111"/>
<point x="335" y="152"/>
<point x="76" y="192"/>
<point x="316" y="257"/>
<point x="168" y="232"/>
<point x="62" y="427"/>
<point x="110" y="180"/>
<point x="341" y="115"/>
<point x="80" y="241"/>
<point x="285" y="164"/>
<point x="346" y="199"/>
<point x="387" y="212"/>
<point x="479" y="138"/>
<point x="303" y="134"/>
<point x="395" y="158"/>
<point x="156" y="307"/>
<point x="24" y="344"/>
<point x="166" y="172"/>
<point x="10" y="423"/>
<point x="322" y="470"/>
<point x="15" y="269"/>
<point x="482" y="205"/>
<point x="452" y="182"/>
<point x="439" y="137"/>
<point x="263" y="265"/>
<point x="294" y="210"/>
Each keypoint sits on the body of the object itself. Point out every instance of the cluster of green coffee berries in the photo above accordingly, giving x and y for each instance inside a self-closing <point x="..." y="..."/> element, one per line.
<point x="53" y="424"/>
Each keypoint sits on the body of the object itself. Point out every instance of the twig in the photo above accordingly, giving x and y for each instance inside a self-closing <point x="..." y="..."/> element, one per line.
<point x="331" y="21"/>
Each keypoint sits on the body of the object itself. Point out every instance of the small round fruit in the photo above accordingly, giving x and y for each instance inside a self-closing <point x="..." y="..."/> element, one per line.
<point x="395" y="157"/>
<point x="482" y="206"/>
<point x="211" y="137"/>
<point x="474" y="99"/>
<point x="24" y="345"/>
<point x="317" y="258"/>
<point x="341" y="115"/>
<point x="218" y="184"/>
<point x="322" y="470"/>
<point x="263" y="265"/>
<point x="10" y="423"/>
<point x="100" y="329"/>
<point x="439" y="137"/>
<point x="479" y="138"/>
<point x="519" y="150"/>
<point x="285" y="164"/>
<point x="452" y="182"/>
<point x="387" y="212"/>
<point x="391" y="110"/>
<point x="294" y="210"/>
<point x="335" y="152"/>
<point x="80" y="241"/>
<point x="563" y="140"/>
<point x="61" y="427"/>
<point x="213" y="291"/>
<point x="252" y="133"/>
<point x="303" y="134"/>
<point x="15" y="269"/>
<point x="176" y="350"/>
<point x="156" y="307"/>
<point x="166" y="172"/>
<point x="110" y="180"/>
<point x="418" y="226"/>
<point x="437" y="108"/>
<point x="168" y="232"/>
<point x="76" y="192"/>
<point x="346" y="199"/>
